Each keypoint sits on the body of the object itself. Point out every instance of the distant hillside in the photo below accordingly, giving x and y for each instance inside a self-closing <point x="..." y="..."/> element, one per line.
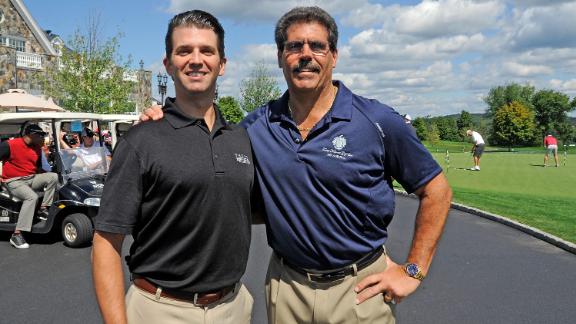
<point x="476" y="118"/>
<point x="483" y="119"/>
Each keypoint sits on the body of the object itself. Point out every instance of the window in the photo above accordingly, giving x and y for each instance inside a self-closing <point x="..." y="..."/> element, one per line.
<point x="16" y="43"/>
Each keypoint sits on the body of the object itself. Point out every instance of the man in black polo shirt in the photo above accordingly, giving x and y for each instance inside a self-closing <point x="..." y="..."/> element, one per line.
<point x="181" y="187"/>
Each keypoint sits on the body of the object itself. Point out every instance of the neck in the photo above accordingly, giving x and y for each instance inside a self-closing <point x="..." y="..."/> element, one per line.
<point x="198" y="106"/>
<point x="309" y="107"/>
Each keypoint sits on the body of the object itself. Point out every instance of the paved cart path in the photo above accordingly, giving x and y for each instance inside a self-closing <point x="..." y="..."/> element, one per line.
<point x="484" y="272"/>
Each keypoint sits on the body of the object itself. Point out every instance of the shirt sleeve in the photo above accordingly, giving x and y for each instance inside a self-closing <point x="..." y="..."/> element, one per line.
<point x="406" y="159"/>
<point x="4" y="151"/>
<point x="121" y="201"/>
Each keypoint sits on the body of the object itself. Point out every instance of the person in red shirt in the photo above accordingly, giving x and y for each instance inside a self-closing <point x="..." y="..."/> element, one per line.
<point x="22" y="174"/>
<point x="551" y="145"/>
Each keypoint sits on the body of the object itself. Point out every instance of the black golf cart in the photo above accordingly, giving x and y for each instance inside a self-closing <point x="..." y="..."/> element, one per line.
<point x="81" y="172"/>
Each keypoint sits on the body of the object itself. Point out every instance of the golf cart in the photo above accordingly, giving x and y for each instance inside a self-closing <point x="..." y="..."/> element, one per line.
<point x="81" y="173"/>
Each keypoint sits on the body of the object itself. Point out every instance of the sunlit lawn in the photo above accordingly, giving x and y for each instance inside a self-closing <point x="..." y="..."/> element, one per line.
<point x="517" y="186"/>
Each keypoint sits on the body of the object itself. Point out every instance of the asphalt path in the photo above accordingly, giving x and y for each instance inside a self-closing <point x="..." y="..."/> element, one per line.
<point x="484" y="272"/>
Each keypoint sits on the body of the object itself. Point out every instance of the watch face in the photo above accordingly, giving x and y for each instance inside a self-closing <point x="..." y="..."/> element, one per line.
<point x="412" y="269"/>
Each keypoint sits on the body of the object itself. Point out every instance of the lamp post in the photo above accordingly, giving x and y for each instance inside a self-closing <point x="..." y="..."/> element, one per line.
<point x="162" y="81"/>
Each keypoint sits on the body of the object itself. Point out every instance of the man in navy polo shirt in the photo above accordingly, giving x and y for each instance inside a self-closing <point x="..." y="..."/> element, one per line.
<point x="325" y="160"/>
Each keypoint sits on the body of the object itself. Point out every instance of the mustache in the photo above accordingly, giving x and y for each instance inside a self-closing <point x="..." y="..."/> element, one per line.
<point x="306" y="65"/>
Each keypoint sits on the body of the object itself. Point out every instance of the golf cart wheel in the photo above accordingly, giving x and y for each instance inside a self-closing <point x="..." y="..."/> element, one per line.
<point x="77" y="230"/>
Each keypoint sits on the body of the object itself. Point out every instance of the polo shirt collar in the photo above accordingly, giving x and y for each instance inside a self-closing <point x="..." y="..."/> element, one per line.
<point x="341" y="108"/>
<point x="178" y="119"/>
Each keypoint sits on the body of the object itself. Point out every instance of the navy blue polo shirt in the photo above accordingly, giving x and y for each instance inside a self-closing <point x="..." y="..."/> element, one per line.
<point x="328" y="199"/>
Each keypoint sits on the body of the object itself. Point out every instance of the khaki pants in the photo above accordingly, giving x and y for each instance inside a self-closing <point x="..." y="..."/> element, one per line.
<point x="144" y="308"/>
<point x="292" y="298"/>
<point x="23" y="189"/>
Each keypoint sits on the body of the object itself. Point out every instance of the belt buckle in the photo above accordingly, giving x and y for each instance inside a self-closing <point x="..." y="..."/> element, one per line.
<point x="195" y="300"/>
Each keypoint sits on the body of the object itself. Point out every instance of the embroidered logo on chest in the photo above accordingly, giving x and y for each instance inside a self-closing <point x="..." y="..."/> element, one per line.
<point x="339" y="142"/>
<point x="242" y="158"/>
<point x="337" y="152"/>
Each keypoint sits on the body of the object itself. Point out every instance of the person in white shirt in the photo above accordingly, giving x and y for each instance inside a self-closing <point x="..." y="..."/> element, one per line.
<point x="477" y="149"/>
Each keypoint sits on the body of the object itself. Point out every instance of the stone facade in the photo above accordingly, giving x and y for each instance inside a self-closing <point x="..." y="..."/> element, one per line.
<point x="14" y="26"/>
<point x="20" y="67"/>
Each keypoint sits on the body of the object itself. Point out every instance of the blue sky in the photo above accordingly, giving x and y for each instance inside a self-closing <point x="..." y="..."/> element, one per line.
<point x="431" y="57"/>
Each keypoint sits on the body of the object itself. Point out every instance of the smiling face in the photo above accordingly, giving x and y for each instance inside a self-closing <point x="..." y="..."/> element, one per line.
<point x="195" y="62"/>
<point x="306" y="60"/>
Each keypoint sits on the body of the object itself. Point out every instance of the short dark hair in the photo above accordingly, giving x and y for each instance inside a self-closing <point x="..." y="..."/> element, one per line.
<point x="34" y="129"/>
<point x="195" y="18"/>
<point x="87" y="132"/>
<point x="307" y="15"/>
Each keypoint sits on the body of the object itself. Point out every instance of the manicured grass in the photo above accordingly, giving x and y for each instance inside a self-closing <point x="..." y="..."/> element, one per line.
<point x="516" y="185"/>
<point x="463" y="147"/>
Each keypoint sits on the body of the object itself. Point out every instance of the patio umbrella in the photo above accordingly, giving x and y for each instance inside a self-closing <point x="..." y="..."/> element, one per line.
<point x="20" y="99"/>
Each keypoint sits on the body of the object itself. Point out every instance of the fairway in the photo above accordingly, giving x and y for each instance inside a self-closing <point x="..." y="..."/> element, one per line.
<point x="517" y="186"/>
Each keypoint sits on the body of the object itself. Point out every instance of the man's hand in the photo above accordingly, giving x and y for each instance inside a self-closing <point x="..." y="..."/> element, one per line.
<point x="152" y="113"/>
<point x="393" y="283"/>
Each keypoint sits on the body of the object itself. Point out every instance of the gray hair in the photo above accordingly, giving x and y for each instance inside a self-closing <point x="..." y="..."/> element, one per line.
<point x="307" y="15"/>
<point x="195" y="18"/>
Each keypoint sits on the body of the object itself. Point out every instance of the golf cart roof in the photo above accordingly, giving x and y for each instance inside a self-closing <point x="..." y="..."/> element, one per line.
<point x="119" y="117"/>
<point x="16" y="118"/>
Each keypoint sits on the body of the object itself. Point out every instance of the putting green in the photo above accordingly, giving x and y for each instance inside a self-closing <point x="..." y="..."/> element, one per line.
<point x="516" y="185"/>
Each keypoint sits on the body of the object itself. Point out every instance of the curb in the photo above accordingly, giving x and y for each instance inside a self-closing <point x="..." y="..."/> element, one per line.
<point x="554" y="240"/>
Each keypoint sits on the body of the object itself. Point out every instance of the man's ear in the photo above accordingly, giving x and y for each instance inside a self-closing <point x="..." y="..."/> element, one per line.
<point x="167" y="64"/>
<point x="222" y="66"/>
<point x="335" y="55"/>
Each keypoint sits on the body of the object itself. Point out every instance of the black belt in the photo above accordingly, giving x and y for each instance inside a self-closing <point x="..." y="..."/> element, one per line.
<point x="337" y="274"/>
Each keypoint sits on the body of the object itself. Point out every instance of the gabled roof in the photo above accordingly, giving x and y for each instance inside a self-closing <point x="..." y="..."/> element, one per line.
<point x="29" y="20"/>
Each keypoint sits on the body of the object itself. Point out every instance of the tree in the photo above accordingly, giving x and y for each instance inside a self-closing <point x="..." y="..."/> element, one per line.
<point x="464" y="122"/>
<point x="552" y="108"/>
<point x="230" y="108"/>
<point x="447" y="128"/>
<point x="419" y="125"/>
<point x="91" y="77"/>
<point x="433" y="136"/>
<point x="513" y="125"/>
<point x="504" y="95"/>
<point x="258" y="89"/>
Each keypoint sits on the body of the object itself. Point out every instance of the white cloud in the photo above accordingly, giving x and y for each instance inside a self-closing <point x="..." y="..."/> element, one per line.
<point x="524" y="70"/>
<point x="239" y="68"/>
<point x="448" y="17"/>
<point x="550" y="26"/>
<point x="537" y="3"/>
<point x="566" y="85"/>
<point x="373" y="15"/>
<point x="262" y="10"/>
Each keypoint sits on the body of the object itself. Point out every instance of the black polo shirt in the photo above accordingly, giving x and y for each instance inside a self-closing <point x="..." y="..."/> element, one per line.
<point x="183" y="193"/>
